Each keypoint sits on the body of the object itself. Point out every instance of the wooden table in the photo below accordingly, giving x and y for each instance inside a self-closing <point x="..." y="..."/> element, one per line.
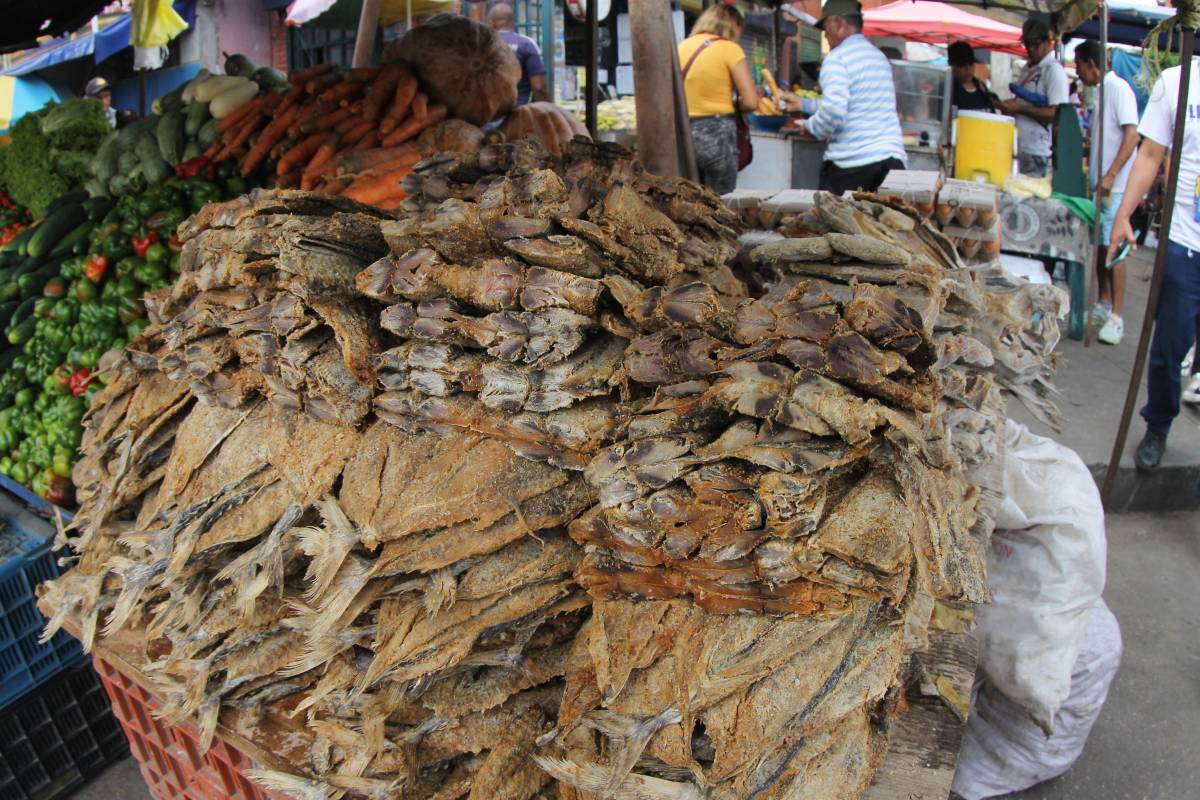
<point x="920" y="762"/>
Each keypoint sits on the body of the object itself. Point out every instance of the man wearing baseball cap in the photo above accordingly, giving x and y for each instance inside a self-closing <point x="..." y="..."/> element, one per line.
<point x="857" y="113"/>
<point x="1045" y="79"/>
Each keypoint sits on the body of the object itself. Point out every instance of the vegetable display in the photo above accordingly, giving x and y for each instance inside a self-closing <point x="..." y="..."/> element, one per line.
<point x="51" y="152"/>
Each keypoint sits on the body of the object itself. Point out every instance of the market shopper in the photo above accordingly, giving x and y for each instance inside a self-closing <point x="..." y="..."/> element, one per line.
<point x="1118" y="133"/>
<point x="532" y="86"/>
<point x="857" y="112"/>
<point x="98" y="89"/>
<point x="714" y="65"/>
<point x="969" y="93"/>
<point x="1179" y="304"/>
<point x="1045" y="86"/>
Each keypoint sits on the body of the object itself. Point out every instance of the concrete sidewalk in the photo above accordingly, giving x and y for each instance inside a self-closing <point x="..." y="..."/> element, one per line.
<point x="1093" y="381"/>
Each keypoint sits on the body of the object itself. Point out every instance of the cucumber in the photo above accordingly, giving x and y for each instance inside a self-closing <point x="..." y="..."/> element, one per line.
<point x="20" y="333"/>
<point x="96" y="187"/>
<point x="9" y="260"/>
<point x="193" y="150"/>
<point x="8" y="357"/>
<point x="17" y="243"/>
<point x="67" y="243"/>
<point x="7" y="310"/>
<point x="73" y="198"/>
<point x="23" y="312"/>
<point x="97" y="207"/>
<point x="54" y="227"/>
<point x="196" y="115"/>
<point x="238" y="64"/>
<point x="171" y="137"/>
<point x="32" y="283"/>
<point x="104" y="165"/>
<point x="208" y="133"/>
<point x="171" y="101"/>
<point x="154" y="168"/>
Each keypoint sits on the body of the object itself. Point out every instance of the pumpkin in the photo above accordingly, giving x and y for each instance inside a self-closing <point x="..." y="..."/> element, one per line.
<point x="552" y="125"/>
<point x="463" y="65"/>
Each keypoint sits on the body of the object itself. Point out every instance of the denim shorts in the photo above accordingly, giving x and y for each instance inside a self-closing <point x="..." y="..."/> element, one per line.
<point x="1108" y="214"/>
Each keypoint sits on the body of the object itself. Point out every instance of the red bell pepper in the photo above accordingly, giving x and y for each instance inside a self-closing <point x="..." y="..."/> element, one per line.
<point x="192" y="168"/>
<point x="79" y="381"/>
<point x="174" y="245"/>
<point x="96" y="268"/>
<point x="141" y="245"/>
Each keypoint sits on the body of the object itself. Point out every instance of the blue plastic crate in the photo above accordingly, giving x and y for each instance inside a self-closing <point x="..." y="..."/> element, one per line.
<point x="26" y="561"/>
<point x="40" y="506"/>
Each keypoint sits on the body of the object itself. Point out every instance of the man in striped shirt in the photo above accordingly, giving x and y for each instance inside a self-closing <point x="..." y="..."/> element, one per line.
<point x="857" y="113"/>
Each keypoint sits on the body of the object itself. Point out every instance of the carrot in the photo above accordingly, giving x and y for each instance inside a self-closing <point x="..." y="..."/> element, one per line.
<point x="393" y="203"/>
<point x="353" y="121"/>
<point x="281" y="147"/>
<point x="420" y="105"/>
<point x="239" y="114"/>
<point x="414" y="125"/>
<point x="293" y="159"/>
<point x="376" y="188"/>
<point x="357" y="131"/>
<point x="324" y="152"/>
<point x="290" y="99"/>
<point x="332" y="97"/>
<point x="406" y="90"/>
<point x="249" y="126"/>
<point x="381" y="90"/>
<point x="358" y="160"/>
<point x="363" y="74"/>
<point x="271" y="136"/>
<point x="288" y="181"/>
<point x="325" y="122"/>
<point x="322" y="82"/>
<point x="300" y="77"/>
<point x="367" y="142"/>
<point x="330" y="186"/>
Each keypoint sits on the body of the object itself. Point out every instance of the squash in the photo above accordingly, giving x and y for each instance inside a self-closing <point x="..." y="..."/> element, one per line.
<point x="233" y="98"/>
<point x="462" y="65"/>
<point x="212" y="86"/>
<point x="550" y="124"/>
<point x="189" y="91"/>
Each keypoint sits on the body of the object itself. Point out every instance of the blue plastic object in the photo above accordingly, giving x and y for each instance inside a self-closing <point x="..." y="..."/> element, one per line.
<point x="768" y="123"/>
<point x="40" y="507"/>
<point x="25" y="561"/>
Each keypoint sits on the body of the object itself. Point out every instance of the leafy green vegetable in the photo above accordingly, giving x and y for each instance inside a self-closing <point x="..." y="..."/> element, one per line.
<point x="51" y="152"/>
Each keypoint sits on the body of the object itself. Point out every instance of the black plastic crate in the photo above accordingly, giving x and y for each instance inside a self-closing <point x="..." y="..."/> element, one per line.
<point x="58" y="737"/>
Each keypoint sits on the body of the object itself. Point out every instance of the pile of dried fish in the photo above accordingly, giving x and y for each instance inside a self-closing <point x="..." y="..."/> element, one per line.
<point x="521" y="494"/>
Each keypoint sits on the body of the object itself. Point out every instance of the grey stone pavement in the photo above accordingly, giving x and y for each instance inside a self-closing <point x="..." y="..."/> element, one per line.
<point x="1144" y="745"/>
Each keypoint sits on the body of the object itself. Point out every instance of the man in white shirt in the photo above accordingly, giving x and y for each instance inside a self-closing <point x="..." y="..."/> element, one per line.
<point x="1044" y="79"/>
<point x="1179" y="304"/>
<point x="1118" y="132"/>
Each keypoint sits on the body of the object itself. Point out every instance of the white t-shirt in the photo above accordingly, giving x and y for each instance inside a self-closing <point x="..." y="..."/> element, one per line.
<point x="1048" y="78"/>
<point x="1120" y="108"/>
<point x="1158" y="124"/>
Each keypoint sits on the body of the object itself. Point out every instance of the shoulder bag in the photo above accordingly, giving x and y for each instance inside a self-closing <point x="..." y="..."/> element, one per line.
<point x="744" y="146"/>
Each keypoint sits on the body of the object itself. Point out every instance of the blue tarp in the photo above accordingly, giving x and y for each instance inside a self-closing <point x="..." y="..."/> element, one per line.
<point x="112" y="39"/>
<point x="1128" y="66"/>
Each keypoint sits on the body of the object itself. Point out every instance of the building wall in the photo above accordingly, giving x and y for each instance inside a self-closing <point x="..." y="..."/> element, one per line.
<point x="229" y="26"/>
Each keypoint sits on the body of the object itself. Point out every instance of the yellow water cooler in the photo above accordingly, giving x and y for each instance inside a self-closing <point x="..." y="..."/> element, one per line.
<point x="983" y="146"/>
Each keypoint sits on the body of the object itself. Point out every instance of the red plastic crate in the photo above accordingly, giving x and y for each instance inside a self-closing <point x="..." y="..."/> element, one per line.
<point x="169" y="755"/>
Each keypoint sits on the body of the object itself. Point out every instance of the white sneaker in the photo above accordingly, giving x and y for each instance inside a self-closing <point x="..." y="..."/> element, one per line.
<point x="1191" y="395"/>
<point x="1113" y="330"/>
<point x="1186" y="367"/>
<point x="1100" y="314"/>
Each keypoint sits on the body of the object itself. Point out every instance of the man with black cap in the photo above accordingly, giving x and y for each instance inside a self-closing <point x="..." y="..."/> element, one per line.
<point x="969" y="93"/>
<point x="857" y="113"/>
<point x="1046" y="80"/>
<point x="98" y="89"/>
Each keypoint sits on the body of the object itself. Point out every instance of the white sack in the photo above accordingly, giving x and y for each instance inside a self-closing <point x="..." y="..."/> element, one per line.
<point x="1005" y="751"/>
<point x="1045" y="569"/>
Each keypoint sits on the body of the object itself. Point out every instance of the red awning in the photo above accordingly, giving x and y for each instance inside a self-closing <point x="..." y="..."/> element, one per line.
<point x="939" y="23"/>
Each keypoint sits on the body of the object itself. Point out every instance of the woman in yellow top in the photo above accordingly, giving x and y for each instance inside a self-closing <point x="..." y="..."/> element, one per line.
<point x="714" y="64"/>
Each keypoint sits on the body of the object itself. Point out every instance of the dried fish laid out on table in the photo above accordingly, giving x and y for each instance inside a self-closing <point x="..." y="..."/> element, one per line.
<point x="519" y="493"/>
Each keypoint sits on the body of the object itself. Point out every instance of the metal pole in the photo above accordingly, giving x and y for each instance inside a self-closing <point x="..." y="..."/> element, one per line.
<point x="548" y="54"/>
<point x="1097" y="122"/>
<point x="1187" y="49"/>
<point x="364" y="40"/>
<point x="654" y="61"/>
<point x="591" y="43"/>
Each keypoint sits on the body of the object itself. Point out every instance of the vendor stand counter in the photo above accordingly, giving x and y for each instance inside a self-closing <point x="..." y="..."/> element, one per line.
<point x="783" y="160"/>
<point x="920" y="763"/>
<point x="1046" y="229"/>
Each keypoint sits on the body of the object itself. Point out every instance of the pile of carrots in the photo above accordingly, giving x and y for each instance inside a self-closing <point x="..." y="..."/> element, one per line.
<point x="351" y="133"/>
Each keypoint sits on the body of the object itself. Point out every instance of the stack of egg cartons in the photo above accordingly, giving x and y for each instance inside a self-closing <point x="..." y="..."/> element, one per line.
<point x="918" y="188"/>
<point x="968" y="213"/>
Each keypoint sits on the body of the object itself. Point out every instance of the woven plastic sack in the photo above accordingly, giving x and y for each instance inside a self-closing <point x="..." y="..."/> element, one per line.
<point x="1046" y="568"/>
<point x="1005" y="751"/>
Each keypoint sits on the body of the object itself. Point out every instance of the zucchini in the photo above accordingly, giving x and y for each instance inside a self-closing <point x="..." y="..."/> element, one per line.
<point x="154" y="167"/>
<point x="232" y="99"/>
<point x="195" y="116"/>
<point x="189" y="90"/>
<point x="67" y="243"/>
<point x="208" y="133"/>
<point x="54" y="227"/>
<point x="125" y="163"/>
<point x="104" y="165"/>
<point x="238" y="64"/>
<point x="218" y="84"/>
<point x="193" y="150"/>
<point x="171" y="101"/>
<point x="21" y="332"/>
<point x="269" y="78"/>
<point x="171" y="137"/>
<point x="23" y="312"/>
<point x="16" y="244"/>
<point x="8" y="357"/>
